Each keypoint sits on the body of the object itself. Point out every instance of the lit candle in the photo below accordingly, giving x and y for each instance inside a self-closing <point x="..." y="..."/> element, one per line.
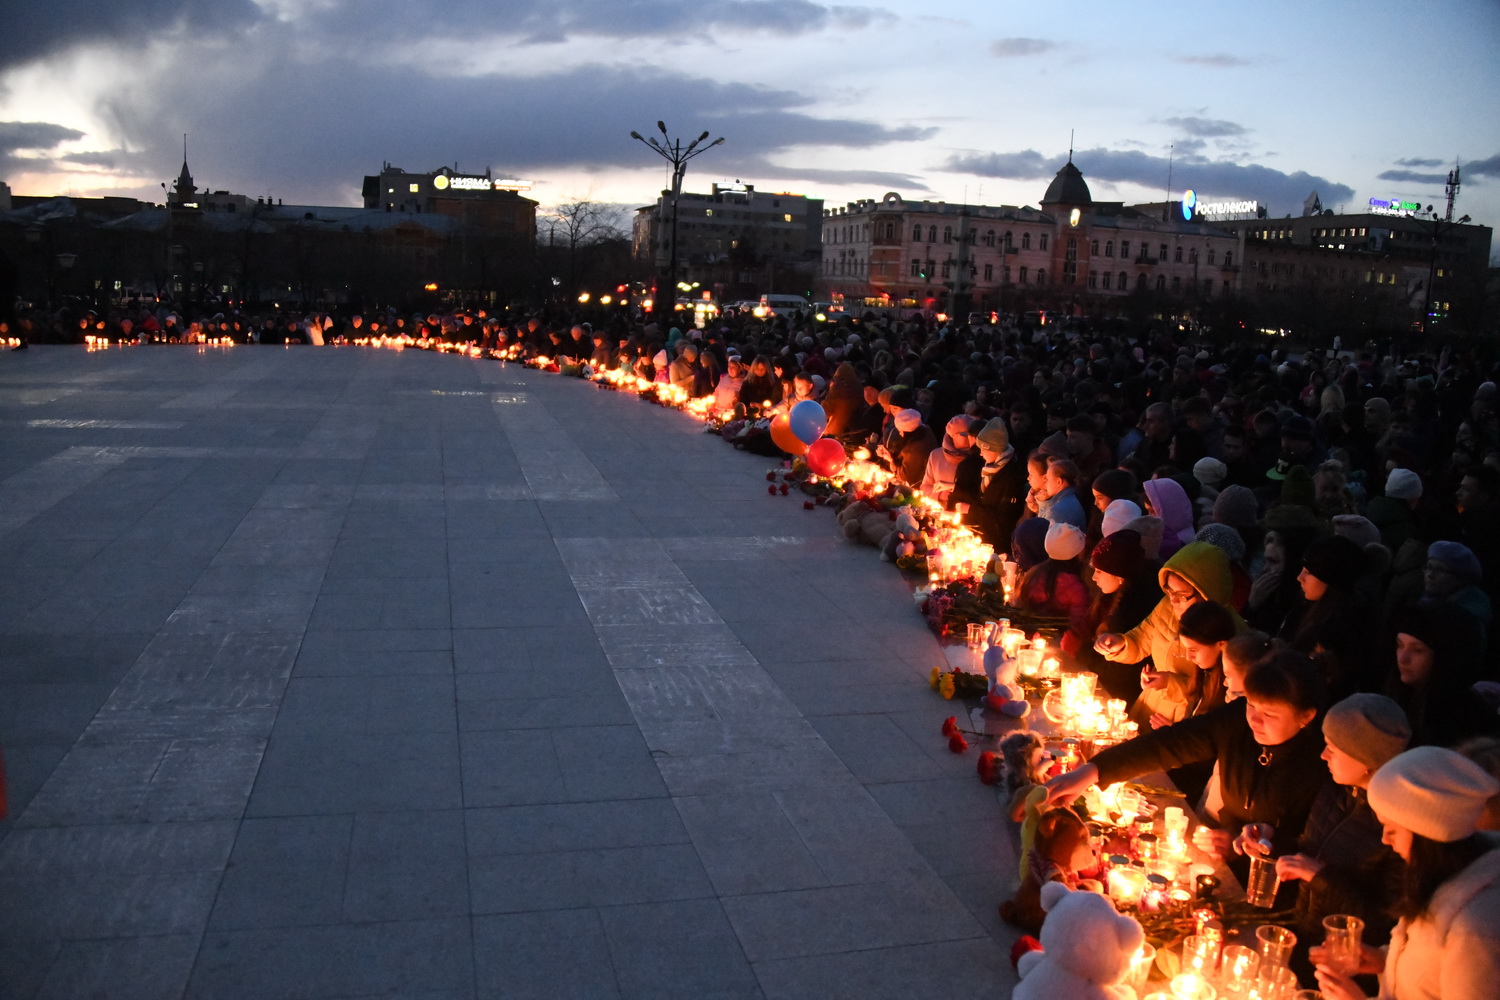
<point x="1238" y="967"/>
<point x="1126" y="886"/>
<point x="1191" y="986"/>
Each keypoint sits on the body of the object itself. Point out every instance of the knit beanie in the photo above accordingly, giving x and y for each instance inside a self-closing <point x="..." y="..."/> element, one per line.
<point x="1297" y="488"/>
<point x="1116" y="484"/>
<point x="958" y="425"/>
<point x="1459" y="558"/>
<point x="1290" y="515"/>
<point x="1063" y="541"/>
<point x="995" y="436"/>
<point x="1118" y="514"/>
<point x="1120" y="554"/>
<point x="1358" y="529"/>
<point x="1150" y="529"/>
<point x="908" y="421"/>
<point x="1236" y="506"/>
<point x="1209" y="471"/>
<point x="1371" y="728"/>
<point x="1403" y="484"/>
<point x="1028" y="542"/>
<point x="1225" y="537"/>
<point x="1335" y="560"/>
<point x="1432" y="791"/>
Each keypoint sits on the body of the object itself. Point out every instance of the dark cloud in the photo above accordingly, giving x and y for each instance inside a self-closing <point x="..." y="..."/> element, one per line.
<point x="1015" y="48"/>
<point x="326" y="130"/>
<point x="1207" y="128"/>
<point x="1418" y="162"/>
<point x="1220" y="178"/>
<point x="555" y="21"/>
<point x="1487" y="167"/>
<point x="885" y="180"/>
<point x="109" y="158"/>
<point x="1411" y="177"/>
<point x="1219" y="61"/>
<point x="15" y="136"/>
<point x="38" y="28"/>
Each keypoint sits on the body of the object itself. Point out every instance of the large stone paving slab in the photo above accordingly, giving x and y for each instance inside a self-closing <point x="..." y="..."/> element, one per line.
<point x="347" y="673"/>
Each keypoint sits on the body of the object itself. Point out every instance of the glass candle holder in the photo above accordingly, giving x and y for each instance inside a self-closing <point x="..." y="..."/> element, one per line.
<point x="1275" y="944"/>
<point x="1126" y="885"/>
<point x="1192" y="986"/>
<point x="1140" y="968"/>
<point x="1342" y="940"/>
<point x="1200" y="955"/>
<point x="1238" y="968"/>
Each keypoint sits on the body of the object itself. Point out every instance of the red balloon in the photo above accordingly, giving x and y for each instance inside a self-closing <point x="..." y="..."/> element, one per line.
<point x="781" y="434"/>
<point x="826" y="457"/>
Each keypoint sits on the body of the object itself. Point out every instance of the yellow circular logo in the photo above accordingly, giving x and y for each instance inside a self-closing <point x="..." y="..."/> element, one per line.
<point x="440" y="181"/>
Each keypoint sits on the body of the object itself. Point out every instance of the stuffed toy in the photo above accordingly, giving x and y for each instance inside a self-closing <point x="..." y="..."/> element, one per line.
<point x="863" y="522"/>
<point x="1022" y="755"/>
<point x="1058" y="850"/>
<point x="1086" y="949"/>
<point x="1005" y="695"/>
<point x="906" y="540"/>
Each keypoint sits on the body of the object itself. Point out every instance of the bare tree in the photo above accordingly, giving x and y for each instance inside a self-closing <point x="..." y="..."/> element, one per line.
<point x="575" y="236"/>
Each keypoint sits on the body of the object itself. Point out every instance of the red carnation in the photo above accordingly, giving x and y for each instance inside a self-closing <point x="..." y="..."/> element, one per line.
<point x="771" y="490"/>
<point x="957" y="743"/>
<point x="989" y="767"/>
<point x="807" y="505"/>
<point x="785" y="489"/>
<point x="950" y="725"/>
<point x="770" y="477"/>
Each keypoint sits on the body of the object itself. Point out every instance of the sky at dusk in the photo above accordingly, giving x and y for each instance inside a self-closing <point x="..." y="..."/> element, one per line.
<point x="299" y="99"/>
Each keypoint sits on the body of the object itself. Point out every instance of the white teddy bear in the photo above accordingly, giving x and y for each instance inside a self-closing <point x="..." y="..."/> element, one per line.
<point x="1086" y="949"/>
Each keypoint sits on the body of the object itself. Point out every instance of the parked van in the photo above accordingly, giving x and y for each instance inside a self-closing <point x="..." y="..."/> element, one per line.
<point x="772" y="305"/>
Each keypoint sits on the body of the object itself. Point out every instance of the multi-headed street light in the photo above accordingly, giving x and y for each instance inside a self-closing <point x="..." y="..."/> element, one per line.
<point x="674" y="153"/>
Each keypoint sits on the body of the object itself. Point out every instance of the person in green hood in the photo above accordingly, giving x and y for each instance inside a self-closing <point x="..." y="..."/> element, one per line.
<point x="1199" y="571"/>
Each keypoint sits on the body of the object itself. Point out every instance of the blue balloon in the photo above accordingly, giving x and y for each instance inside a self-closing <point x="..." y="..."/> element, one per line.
<point x="807" y="420"/>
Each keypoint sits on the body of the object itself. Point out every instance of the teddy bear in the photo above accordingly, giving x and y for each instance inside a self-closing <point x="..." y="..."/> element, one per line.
<point x="1005" y="695"/>
<point x="906" y="540"/>
<point x="861" y="521"/>
<point x="1021" y="754"/>
<point x="1055" y="848"/>
<point x="1086" y="949"/>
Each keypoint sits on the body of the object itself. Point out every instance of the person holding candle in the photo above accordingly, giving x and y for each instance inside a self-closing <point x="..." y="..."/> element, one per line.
<point x="1341" y="865"/>
<point x="760" y="385"/>
<point x="1446" y="943"/>
<point x="944" y="460"/>
<point x="1054" y="588"/>
<point x="909" y="449"/>
<point x="1196" y="572"/>
<point x="1127" y="588"/>
<point x="990" y="487"/>
<point x="1266" y="747"/>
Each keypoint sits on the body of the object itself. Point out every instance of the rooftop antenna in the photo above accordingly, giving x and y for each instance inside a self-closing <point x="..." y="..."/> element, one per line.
<point x="1167" y="205"/>
<point x="1070" y="145"/>
<point x="1452" y="189"/>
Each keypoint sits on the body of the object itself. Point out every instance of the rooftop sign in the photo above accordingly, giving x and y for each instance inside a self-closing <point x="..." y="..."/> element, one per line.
<point x="1380" y="206"/>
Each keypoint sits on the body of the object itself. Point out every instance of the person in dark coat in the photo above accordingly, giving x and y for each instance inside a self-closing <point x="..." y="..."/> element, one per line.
<point x="1128" y="590"/>
<point x="989" y="488"/>
<point x="843" y="404"/>
<point x="760" y="385"/>
<point x="913" y="442"/>
<point x="1341" y="865"/>
<point x="1267" y="745"/>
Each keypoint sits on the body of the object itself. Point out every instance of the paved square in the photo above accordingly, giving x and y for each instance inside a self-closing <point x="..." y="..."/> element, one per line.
<point x="348" y="673"/>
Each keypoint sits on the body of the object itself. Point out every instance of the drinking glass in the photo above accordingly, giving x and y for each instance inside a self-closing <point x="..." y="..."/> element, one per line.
<point x="1342" y="937"/>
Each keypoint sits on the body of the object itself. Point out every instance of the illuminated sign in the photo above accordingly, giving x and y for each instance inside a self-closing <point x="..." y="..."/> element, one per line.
<point x="1189" y="204"/>
<point x="1380" y="206"/>
<point x="510" y="184"/>
<point x="1224" y="209"/>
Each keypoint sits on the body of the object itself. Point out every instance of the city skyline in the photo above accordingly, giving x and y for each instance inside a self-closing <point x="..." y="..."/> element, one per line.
<point x="299" y="99"/>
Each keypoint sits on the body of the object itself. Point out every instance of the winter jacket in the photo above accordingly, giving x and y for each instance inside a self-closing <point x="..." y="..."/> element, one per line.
<point x="1064" y="507"/>
<point x="844" y="402"/>
<point x="1067" y="598"/>
<point x="727" y="392"/>
<point x="1206" y="567"/>
<point x="1360" y="876"/>
<point x="910" y="452"/>
<point x="1452" y="951"/>
<point x="996" y="497"/>
<point x="759" y="388"/>
<point x="942" y="467"/>
<point x="1170" y="503"/>
<point x="1279" y="792"/>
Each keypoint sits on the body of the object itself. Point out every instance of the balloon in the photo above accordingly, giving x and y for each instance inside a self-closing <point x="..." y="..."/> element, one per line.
<point x="782" y="434"/>
<point x="808" y="421"/>
<point x="826" y="457"/>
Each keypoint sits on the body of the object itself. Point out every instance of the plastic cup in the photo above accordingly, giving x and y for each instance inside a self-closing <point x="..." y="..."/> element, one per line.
<point x="1342" y="939"/>
<point x="1262" y="884"/>
<point x="1276" y="982"/>
<point x="1275" y="944"/>
<point x="1238" y="968"/>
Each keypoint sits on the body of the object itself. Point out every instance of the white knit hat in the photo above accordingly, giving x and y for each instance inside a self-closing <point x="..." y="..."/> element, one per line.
<point x="1433" y="792"/>
<point x="1209" y="471"/>
<point x="1063" y="541"/>
<point x="1403" y="484"/>
<point x="1118" y="514"/>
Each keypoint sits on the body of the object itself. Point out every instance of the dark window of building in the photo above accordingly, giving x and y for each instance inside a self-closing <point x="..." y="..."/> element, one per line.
<point x="1043" y="243"/>
<point x="947" y="234"/>
<point x="1041" y="276"/>
<point x="1021" y="274"/>
<point x="1109" y="248"/>
<point x="1025" y="245"/>
<point x="1177" y="256"/>
<point x="989" y="272"/>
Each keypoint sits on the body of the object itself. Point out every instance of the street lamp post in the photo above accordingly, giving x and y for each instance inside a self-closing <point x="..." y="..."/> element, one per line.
<point x="673" y="152"/>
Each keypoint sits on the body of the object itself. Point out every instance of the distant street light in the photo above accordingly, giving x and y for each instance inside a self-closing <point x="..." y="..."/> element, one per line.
<point x="673" y="152"/>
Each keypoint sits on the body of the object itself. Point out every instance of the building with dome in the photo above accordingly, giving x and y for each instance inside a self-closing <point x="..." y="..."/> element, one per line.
<point x="1071" y="253"/>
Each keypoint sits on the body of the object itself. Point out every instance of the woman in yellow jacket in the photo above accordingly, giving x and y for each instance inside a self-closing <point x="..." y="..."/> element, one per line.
<point x="1196" y="572"/>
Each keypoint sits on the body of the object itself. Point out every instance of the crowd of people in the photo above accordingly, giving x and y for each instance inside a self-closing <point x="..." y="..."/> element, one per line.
<point x="1283" y="562"/>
